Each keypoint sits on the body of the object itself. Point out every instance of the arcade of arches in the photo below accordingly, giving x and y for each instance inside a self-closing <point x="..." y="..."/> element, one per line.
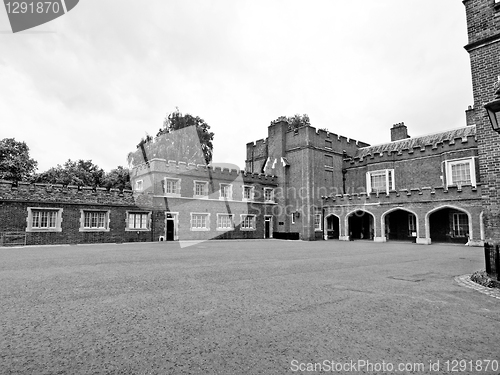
<point x="448" y="224"/>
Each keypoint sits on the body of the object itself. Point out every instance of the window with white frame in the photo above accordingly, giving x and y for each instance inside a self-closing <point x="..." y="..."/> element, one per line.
<point x="412" y="225"/>
<point x="138" y="185"/>
<point x="94" y="220"/>
<point x="200" y="221"/>
<point x="460" y="224"/>
<point x="293" y="217"/>
<point x="247" y="222"/>
<point x="461" y="172"/>
<point x="201" y="189"/>
<point x="225" y="221"/>
<point x="44" y="219"/>
<point x="248" y="193"/>
<point x="317" y="222"/>
<point x="138" y="220"/>
<point x="268" y="194"/>
<point x="172" y="186"/>
<point x="380" y="181"/>
<point x="226" y="191"/>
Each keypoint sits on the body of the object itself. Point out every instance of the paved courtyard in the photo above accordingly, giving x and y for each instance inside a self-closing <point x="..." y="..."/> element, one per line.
<point x="243" y="307"/>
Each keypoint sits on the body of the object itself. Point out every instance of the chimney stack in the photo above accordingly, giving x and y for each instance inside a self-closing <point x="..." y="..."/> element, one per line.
<point x="399" y="131"/>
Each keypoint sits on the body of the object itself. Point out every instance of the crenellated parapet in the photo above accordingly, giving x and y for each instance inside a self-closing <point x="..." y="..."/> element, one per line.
<point x="309" y="136"/>
<point x="258" y="149"/>
<point x="456" y="140"/>
<point x="56" y="193"/>
<point x="214" y="172"/>
<point x="403" y="196"/>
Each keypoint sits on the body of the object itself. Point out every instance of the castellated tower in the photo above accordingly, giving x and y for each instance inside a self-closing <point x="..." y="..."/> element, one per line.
<point x="483" y="26"/>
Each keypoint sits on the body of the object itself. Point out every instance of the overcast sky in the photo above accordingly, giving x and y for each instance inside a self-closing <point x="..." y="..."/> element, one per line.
<point x="99" y="78"/>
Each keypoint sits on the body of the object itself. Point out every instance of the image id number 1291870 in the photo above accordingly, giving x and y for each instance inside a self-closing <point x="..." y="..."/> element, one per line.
<point x="33" y="7"/>
<point x="479" y="365"/>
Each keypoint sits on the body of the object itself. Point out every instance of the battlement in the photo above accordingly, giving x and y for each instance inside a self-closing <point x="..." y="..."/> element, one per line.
<point x="307" y="136"/>
<point x="257" y="149"/>
<point x="325" y="134"/>
<point x="416" y="147"/>
<point x="56" y="193"/>
<point x="407" y="195"/>
<point x="217" y="172"/>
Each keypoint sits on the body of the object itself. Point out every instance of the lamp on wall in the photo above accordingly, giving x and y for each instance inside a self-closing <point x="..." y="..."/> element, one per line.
<point x="493" y="108"/>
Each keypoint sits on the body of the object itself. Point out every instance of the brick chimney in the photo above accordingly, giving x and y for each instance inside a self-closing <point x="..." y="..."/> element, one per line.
<point x="469" y="116"/>
<point x="399" y="131"/>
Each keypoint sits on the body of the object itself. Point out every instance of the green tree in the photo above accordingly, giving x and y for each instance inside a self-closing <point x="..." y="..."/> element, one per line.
<point x="183" y="137"/>
<point x="118" y="178"/>
<point x="15" y="161"/>
<point x="80" y="173"/>
<point x="297" y="121"/>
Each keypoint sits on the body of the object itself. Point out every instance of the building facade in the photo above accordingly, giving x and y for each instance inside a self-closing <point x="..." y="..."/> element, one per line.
<point x="424" y="189"/>
<point x="300" y="183"/>
<point x="483" y="28"/>
<point x="170" y="202"/>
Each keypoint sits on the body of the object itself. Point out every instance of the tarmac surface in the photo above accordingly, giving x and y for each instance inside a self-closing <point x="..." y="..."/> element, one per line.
<point x="246" y="307"/>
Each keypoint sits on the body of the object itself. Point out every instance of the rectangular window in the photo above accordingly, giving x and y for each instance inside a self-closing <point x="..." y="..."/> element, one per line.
<point x="44" y="219"/>
<point x="138" y="220"/>
<point x="225" y="221"/>
<point x="328" y="144"/>
<point x="138" y="185"/>
<point x="94" y="220"/>
<point x="248" y="193"/>
<point x="328" y="178"/>
<point x="247" y="222"/>
<point x="460" y="224"/>
<point x="328" y="161"/>
<point x="412" y="225"/>
<point x="317" y="222"/>
<point x="380" y="181"/>
<point x="201" y="189"/>
<point x="461" y="172"/>
<point x="200" y="221"/>
<point x="172" y="186"/>
<point x="226" y="191"/>
<point x="268" y="194"/>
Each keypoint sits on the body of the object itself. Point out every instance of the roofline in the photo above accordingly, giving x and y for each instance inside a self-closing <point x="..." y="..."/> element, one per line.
<point x="420" y="136"/>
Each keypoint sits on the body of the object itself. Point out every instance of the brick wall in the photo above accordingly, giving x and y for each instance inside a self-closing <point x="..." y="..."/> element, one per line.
<point x="415" y="168"/>
<point x="483" y="26"/>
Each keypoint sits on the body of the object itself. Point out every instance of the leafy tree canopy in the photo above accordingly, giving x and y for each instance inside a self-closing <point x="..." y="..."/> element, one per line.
<point x="15" y="161"/>
<point x="85" y="173"/>
<point x="118" y="178"/>
<point x="80" y="173"/>
<point x="183" y="137"/>
<point x="295" y="121"/>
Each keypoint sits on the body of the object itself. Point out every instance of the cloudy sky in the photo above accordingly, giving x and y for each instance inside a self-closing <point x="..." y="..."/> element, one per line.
<point x="91" y="83"/>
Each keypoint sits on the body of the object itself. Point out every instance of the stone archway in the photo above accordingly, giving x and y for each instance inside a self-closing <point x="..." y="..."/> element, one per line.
<point x="360" y="225"/>
<point x="332" y="227"/>
<point x="448" y="224"/>
<point x="400" y="224"/>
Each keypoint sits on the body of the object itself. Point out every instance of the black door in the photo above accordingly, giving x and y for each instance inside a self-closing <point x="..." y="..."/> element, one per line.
<point x="170" y="230"/>
<point x="267" y="229"/>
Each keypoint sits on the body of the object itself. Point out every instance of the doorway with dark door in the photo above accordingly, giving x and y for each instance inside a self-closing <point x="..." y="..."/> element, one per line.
<point x="170" y="224"/>
<point x="268" y="227"/>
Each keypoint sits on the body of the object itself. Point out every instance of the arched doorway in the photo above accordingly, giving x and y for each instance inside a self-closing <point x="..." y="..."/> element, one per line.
<point x="361" y="226"/>
<point x="332" y="227"/>
<point x="449" y="224"/>
<point x="400" y="225"/>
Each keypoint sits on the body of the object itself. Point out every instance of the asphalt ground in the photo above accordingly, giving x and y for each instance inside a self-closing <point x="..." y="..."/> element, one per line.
<point x="245" y="307"/>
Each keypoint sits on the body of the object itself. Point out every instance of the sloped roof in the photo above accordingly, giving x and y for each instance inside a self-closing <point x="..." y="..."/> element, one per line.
<point x="422" y="141"/>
